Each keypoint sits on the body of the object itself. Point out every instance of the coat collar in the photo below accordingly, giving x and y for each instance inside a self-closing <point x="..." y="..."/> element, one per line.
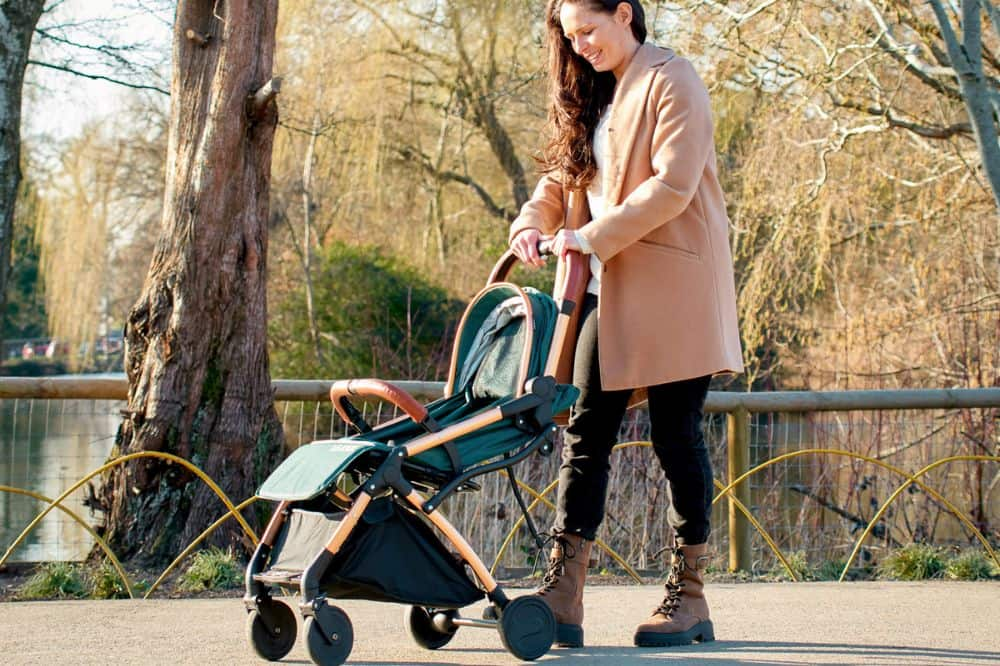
<point x="647" y="56"/>
<point x="626" y="111"/>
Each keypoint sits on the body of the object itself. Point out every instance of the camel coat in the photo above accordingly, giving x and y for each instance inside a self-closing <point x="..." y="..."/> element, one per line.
<point x="667" y="307"/>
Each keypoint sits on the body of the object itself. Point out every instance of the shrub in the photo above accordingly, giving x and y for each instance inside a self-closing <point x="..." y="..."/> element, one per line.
<point x="106" y="583"/>
<point x="378" y="316"/>
<point x="55" y="580"/>
<point x="799" y="565"/>
<point x="917" y="561"/>
<point x="212" y="569"/>
<point x="829" y="570"/>
<point x="970" y="565"/>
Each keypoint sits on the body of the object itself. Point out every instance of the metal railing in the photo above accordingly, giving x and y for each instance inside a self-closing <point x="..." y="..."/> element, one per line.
<point x="805" y="477"/>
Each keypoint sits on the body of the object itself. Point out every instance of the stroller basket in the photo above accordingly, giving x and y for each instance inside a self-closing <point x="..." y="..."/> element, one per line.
<point x="370" y="566"/>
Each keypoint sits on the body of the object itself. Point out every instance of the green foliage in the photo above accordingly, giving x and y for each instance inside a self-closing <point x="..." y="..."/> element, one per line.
<point x="55" y="580"/>
<point x="828" y="570"/>
<point x="799" y="565"/>
<point x="212" y="569"/>
<point x="970" y="565"/>
<point x="105" y="583"/>
<point x="804" y="570"/>
<point x="24" y="315"/>
<point x="33" y="367"/>
<point x="376" y="317"/>
<point x="916" y="561"/>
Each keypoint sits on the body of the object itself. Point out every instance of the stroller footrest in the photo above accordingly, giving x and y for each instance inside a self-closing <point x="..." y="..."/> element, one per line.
<point x="279" y="577"/>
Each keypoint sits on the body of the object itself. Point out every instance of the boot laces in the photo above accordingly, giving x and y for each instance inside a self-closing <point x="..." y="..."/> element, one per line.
<point x="557" y="566"/>
<point x="674" y="585"/>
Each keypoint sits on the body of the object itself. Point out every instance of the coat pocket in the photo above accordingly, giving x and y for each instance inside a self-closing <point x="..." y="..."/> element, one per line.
<point x="672" y="250"/>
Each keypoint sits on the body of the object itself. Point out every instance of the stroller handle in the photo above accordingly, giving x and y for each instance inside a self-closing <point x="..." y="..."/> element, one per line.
<point x="508" y="260"/>
<point x="375" y="388"/>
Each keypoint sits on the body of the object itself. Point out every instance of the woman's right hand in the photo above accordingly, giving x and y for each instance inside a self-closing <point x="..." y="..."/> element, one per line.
<point x="525" y="247"/>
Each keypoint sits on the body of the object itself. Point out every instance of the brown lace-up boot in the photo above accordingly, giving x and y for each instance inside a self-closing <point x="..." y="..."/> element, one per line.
<point x="562" y="587"/>
<point x="682" y="617"/>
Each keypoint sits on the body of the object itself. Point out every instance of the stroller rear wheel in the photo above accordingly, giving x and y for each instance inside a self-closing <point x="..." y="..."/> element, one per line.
<point x="527" y="627"/>
<point x="329" y="636"/>
<point x="423" y="630"/>
<point x="271" y="630"/>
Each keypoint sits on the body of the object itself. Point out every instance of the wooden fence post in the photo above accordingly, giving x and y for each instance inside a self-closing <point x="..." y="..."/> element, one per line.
<point x="738" y="450"/>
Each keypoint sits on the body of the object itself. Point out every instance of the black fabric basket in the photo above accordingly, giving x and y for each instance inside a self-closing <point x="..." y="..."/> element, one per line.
<point x="391" y="555"/>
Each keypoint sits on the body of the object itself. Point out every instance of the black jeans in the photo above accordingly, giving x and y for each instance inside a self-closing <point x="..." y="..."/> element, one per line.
<point x="675" y="413"/>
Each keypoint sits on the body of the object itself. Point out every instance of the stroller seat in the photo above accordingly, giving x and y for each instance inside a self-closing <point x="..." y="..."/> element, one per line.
<point x="488" y="367"/>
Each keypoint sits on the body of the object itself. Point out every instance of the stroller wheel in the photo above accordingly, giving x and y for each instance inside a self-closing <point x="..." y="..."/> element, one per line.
<point x="527" y="627"/>
<point x="423" y="630"/>
<point x="329" y="636"/>
<point x="271" y="630"/>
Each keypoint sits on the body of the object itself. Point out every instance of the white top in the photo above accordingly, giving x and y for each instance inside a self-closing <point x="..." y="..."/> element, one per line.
<point x="595" y="198"/>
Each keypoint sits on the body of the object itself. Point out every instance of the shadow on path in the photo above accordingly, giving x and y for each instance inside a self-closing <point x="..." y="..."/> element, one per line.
<point x="724" y="653"/>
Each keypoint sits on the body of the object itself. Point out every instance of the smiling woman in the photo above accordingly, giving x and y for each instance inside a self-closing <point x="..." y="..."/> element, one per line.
<point x="631" y="144"/>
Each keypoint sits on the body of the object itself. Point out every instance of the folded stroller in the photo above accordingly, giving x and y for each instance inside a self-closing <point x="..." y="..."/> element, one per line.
<point x="359" y="517"/>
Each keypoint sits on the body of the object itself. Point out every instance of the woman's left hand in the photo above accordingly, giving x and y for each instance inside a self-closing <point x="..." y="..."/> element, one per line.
<point x="565" y="241"/>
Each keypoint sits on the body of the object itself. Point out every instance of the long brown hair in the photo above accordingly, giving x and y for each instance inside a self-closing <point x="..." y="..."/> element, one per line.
<point x="577" y="96"/>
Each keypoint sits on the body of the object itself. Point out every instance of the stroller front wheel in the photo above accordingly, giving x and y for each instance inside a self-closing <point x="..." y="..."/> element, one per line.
<point x="424" y="631"/>
<point x="271" y="630"/>
<point x="527" y="627"/>
<point x="329" y="636"/>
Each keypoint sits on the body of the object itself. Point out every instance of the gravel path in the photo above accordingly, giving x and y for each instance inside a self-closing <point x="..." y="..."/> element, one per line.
<point x="761" y="623"/>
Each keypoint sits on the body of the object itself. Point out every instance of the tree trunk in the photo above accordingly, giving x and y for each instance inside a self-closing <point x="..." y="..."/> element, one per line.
<point x="196" y="340"/>
<point x="307" y="204"/>
<point x="17" y="24"/>
<point x="966" y="59"/>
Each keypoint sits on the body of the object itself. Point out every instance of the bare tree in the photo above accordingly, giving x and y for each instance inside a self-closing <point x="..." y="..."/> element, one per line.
<point x="17" y="24"/>
<point x="196" y="343"/>
<point x="464" y="64"/>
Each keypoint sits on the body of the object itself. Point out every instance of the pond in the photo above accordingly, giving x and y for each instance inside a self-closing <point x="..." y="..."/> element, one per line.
<point x="45" y="447"/>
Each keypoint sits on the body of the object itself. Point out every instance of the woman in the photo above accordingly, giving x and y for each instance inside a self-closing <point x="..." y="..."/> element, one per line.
<point x="631" y="126"/>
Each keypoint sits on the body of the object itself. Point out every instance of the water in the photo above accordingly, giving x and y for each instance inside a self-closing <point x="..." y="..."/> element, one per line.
<point x="46" y="446"/>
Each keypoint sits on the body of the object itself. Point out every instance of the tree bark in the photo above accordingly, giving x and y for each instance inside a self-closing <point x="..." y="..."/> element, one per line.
<point x="17" y="24"/>
<point x="196" y="339"/>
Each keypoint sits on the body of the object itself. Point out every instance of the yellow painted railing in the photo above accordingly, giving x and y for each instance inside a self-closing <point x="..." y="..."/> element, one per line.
<point x="538" y="497"/>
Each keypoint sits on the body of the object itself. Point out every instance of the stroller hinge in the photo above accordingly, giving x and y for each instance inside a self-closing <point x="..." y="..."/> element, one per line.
<point x="498" y="597"/>
<point x="390" y="475"/>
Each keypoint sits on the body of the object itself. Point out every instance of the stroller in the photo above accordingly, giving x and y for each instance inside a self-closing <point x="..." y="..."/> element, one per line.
<point x="356" y="515"/>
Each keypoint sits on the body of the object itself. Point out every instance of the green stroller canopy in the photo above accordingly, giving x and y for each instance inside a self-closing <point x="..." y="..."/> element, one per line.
<point x="489" y="351"/>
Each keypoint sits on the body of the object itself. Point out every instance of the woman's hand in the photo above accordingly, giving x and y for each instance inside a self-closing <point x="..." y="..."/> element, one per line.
<point x="525" y="247"/>
<point x="565" y="241"/>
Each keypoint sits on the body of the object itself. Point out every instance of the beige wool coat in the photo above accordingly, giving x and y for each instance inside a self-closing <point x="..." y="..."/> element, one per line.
<point x="667" y="308"/>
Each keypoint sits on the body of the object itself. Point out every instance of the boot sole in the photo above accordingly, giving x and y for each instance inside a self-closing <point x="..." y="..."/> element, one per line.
<point x="569" y="635"/>
<point x="703" y="632"/>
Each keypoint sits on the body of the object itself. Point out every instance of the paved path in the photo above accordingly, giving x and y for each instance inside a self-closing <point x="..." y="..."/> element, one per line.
<point x="803" y="623"/>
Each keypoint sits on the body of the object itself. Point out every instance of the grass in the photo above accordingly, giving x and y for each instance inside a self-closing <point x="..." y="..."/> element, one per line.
<point x="912" y="562"/>
<point x="105" y="583"/>
<point x="55" y="580"/>
<point x="799" y="565"/>
<point x="970" y="565"/>
<point x="212" y="569"/>
<point x="917" y="561"/>
<point x="803" y="570"/>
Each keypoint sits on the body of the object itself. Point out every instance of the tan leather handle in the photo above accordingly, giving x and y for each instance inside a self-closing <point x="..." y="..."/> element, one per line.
<point x="508" y="260"/>
<point x="375" y="388"/>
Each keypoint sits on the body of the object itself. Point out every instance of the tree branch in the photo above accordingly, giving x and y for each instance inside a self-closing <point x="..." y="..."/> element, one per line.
<point x="410" y="156"/>
<point x="98" y="77"/>
<point x="928" y="131"/>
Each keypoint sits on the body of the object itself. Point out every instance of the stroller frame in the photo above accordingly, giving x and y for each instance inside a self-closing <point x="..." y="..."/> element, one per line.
<point x="526" y="624"/>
